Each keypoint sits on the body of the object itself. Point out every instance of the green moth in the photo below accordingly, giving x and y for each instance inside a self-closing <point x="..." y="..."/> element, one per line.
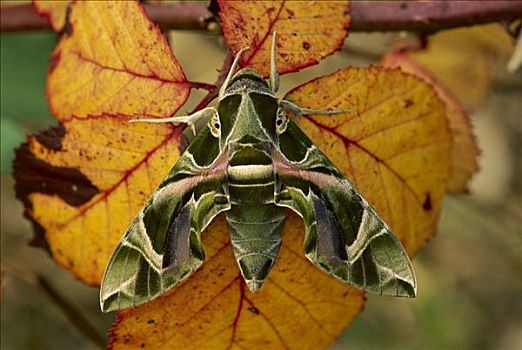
<point x="251" y="161"/>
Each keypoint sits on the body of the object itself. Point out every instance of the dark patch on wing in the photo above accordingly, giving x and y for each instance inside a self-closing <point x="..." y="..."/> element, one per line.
<point x="178" y="254"/>
<point x="294" y="143"/>
<point x="204" y="148"/>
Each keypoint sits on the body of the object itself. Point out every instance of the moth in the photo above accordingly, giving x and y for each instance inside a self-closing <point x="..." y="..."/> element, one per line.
<point x="252" y="161"/>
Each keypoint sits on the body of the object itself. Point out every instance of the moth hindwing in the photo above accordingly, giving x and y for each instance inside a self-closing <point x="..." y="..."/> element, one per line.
<point x="251" y="162"/>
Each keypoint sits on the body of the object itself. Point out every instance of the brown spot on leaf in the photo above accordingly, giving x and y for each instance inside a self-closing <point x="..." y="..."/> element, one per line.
<point x="427" y="202"/>
<point x="52" y="137"/>
<point x="253" y="310"/>
<point x="38" y="240"/>
<point x="68" y="27"/>
<point x="34" y="175"/>
<point x="408" y="103"/>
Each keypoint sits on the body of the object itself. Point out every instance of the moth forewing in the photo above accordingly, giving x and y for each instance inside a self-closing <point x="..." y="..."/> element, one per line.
<point x="344" y="235"/>
<point x="162" y="247"/>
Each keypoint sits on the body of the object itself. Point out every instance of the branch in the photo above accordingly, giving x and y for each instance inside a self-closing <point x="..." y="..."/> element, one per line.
<point x="194" y="16"/>
<point x="417" y="16"/>
<point x="429" y="16"/>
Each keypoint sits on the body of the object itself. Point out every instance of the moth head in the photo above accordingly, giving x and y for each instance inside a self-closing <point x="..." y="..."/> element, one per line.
<point x="281" y="121"/>
<point x="247" y="108"/>
<point x="246" y="79"/>
<point x="215" y="125"/>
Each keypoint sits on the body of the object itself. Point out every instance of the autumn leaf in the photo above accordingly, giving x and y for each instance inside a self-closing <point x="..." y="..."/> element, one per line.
<point x="55" y="11"/>
<point x="83" y="182"/>
<point x="464" y="148"/>
<point x="394" y="146"/>
<point x="461" y="58"/>
<point x="114" y="60"/>
<point x="453" y="61"/>
<point x="307" y="31"/>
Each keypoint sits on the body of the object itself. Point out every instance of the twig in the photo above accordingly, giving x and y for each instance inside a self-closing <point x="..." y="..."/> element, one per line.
<point x="21" y="18"/>
<point x="184" y="15"/>
<point x="202" y="85"/>
<point x="417" y="16"/>
<point x="73" y="314"/>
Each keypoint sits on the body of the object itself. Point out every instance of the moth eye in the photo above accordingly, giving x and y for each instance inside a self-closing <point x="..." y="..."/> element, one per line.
<point x="215" y="126"/>
<point x="281" y="121"/>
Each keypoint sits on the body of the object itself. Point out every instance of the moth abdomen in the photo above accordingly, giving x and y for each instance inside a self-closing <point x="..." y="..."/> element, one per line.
<point x="255" y="235"/>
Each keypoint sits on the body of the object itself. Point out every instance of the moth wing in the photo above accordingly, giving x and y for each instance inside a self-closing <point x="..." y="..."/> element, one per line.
<point x="162" y="246"/>
<point x="344" y="235"/>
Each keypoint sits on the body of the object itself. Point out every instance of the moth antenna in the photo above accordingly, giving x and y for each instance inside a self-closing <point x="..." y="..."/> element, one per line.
<point x="205" y="114"/>
<point x="274" y="76"/>
<point x="298" y="111"/>
<point x="231" y="71"/>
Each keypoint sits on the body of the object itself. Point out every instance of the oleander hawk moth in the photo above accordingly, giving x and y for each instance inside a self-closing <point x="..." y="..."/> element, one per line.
<point x="251" y="161"/>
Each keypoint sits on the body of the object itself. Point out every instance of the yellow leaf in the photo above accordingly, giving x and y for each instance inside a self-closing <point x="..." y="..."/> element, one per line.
<point x="462" y="60"/>
<point x="464" y="150"/>
<point x="114" y="60"/>
<point x="394" y="146"/>
<point x="55" y="11"/>
<point x="306" y="31"/>
<point x="86" y="182"/>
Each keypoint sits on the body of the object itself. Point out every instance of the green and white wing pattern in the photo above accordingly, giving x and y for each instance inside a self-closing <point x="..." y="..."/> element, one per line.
<point x="344" y="235"/>
<point x="163" y="244"/>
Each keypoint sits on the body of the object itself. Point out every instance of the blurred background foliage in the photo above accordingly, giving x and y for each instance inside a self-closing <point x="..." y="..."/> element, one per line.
<point x="469" y="275"/>
<point x="23" y="104"/>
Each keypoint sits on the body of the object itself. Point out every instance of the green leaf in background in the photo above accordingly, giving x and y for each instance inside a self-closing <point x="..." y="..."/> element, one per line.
<point x="23" y="106"/>
<point x="11" y="136"/>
